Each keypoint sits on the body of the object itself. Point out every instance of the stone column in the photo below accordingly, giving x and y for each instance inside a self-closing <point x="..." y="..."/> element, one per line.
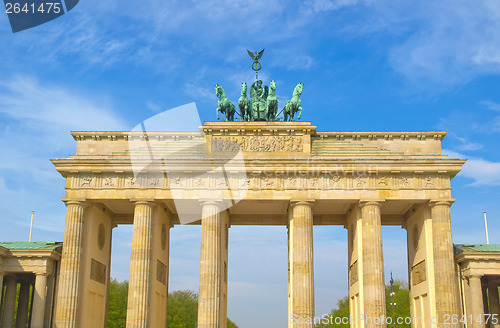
<point x="210" y="301"/>
<point x="300" y="257"/>
<point x="476" y="294"/>
<point x="493" y="298"/>
<point x="10" y="302"/>
<point x="39" y="297"/>
<point x="140" y="266"/>
<point x="22" y="305"/>
<point x="1" y="294"/>
<point x="446" y="284"/>
<point x="373" y="264"/>
<point x="69" y="278"/>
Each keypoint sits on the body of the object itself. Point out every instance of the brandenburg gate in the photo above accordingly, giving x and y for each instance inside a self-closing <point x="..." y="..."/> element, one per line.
<point x="255" y="173"/>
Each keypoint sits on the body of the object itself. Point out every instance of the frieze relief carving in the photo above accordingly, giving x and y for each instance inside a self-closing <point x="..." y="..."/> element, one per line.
<point x="313" y="184"/>
<point x="335" y="182"/>
<point x="86" y="181"/>
<point x="257" y="144"/>
<point x="259" y="181"/>
<point x="244" y="183"/>
<point x="155" y="182"/>
<point x="429" y="182"/>
<point x="200" y="182"/>
<point x="291" y="183"/>
<point x="360" y="183"/>
<point x="109" y="182"/>
<point x="131" y="182"/>
<point x="269" y="183"/>
<point x="383" y="182"/>
<point x="222" y="183"/>
<point x="404" y="182"/>
<point x="177" y="181"/>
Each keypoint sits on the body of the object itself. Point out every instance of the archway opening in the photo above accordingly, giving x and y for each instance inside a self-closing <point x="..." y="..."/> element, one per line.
<point x="258" y="276"/>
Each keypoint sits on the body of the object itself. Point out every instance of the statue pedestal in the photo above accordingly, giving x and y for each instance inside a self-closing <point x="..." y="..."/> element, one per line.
<point x="259" y="139"/>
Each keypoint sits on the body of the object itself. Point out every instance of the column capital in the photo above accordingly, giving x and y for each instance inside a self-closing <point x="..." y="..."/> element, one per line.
<point x="371" y="202"/>
<point x="303" y="202"/>
<point x="149" y="202"/>
<point x="82" y="202"/>
<point x="475" y="275"/>
<point x="441" y="202"/>
<point x="215" y="202"/>
<point x="222" y="204"/>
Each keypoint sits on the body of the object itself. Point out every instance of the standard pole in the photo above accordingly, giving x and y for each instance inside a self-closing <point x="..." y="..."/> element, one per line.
<point x="31" y="227"/>
<point x="393" y="319"/>
<point x="486" y="226"/>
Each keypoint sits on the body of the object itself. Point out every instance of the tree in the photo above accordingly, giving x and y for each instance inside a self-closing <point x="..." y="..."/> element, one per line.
<point x="117" y="312"/>
<point x="402" y="308"/>
<point x="231" y="324"/>
<point x="402" y="300"/>
<point x="182" y="311"/>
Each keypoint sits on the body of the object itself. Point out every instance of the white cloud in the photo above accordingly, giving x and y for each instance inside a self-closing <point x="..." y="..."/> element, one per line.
<point x="199" y="92"/>
<point x="465" y="144"/>
<point x="453" y="42"/>
<point x="153" y="107"/>
<point x="483" y="172"/>
<point x="37" y="119"/>
<point x="491" y="105"/>
<point x="51" y="109"/>
<point x="327" y="5"/>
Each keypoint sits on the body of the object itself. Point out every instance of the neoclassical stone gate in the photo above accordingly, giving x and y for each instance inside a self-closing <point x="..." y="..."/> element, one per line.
<point x="255" y="173"/>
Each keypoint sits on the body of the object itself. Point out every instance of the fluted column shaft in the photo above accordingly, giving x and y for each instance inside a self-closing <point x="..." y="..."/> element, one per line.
<point x="211" y="274"/>
<point x="69" y="279"/>
<point x="40" y="295"/>
<point x="22" y="305"/>
<point x="301" y="261"/>
<point x="140" y="266"/>
<point x="10" y="302"/>
<point x="476" y="294"/>
<point x="373" y="264"/>
<point x="446" y="284"/>
<point x="1" y="294"/>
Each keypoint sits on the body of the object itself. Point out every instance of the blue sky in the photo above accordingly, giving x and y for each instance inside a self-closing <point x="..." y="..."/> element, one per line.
<point x="365" y="65"/>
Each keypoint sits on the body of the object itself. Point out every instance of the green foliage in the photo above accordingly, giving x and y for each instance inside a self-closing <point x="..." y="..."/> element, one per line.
<point x="182" y="307"/>
<point x="117" y="314"/>
<point x="231" y="324"/>
<point x="183" y="310"/>
<point x="402" y="308"/>
<point x="402" y="300"/>
<point x="342" y="311"/>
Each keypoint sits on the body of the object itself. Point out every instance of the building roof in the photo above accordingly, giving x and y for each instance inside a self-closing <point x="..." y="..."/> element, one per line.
<point x="38" y="245"/>
<point x="469" y="248"/>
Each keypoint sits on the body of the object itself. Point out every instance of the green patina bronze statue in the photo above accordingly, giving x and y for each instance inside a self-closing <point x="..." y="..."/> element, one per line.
<point x="263" y="103"/>
<point x="272" y="103"/>
<point x="225" y="106"/>
<point x="244" y="103"/>
<point x="294" y="105"/>
<point x="258" y="94"/>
